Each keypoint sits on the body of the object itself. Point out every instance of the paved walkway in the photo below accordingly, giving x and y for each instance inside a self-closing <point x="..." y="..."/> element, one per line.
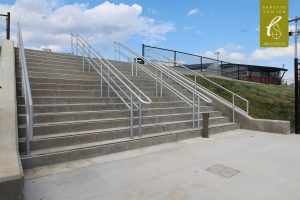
<point x="243" y="165"/>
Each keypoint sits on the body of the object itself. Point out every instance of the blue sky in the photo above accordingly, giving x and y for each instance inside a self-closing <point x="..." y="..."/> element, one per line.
<point x="196" y="26"/>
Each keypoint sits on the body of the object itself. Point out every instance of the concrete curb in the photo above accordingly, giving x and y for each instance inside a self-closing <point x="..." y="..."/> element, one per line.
<point x="11" y="172"/>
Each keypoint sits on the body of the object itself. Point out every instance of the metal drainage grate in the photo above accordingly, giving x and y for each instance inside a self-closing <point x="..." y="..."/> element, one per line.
<point x="223" y="170"/>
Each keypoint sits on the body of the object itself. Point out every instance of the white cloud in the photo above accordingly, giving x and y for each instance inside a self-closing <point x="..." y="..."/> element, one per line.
<point x="48" y="23"/>
<point x="271" y="53"/>
<point x="227" y="54"/>
<point x="231" y="53"/>
<point x="193" y="12"/>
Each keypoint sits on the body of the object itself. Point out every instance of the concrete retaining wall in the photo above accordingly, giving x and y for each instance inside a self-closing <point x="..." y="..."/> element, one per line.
<point x="11" y="172"/>
<point x="248" y="122"/>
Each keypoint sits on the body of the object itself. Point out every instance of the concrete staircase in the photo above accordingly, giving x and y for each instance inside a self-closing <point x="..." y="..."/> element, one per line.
<point x="72" y="121"/>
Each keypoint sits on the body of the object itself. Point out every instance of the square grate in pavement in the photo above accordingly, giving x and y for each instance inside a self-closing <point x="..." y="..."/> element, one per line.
<point x="223" y="170"/>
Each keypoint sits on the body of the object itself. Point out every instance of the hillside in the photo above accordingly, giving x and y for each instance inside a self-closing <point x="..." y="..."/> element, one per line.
<point x="265" y="101"/>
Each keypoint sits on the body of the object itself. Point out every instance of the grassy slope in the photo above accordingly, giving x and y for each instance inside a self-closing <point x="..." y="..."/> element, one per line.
<point x="265" y="101"/>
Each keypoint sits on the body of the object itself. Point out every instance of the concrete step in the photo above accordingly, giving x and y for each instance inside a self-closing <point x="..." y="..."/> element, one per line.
<point x="39" y="59"/>
<point x="54" y="86"/>
<point x="60" y="80"/>
<point x="87" y="150"/>
<point x="83" y="99"/>
<point x="149" y="124"/>
<point x="90" y="115"/>
<point x="63" y="93"/>
<point x="46" y="108"/>
<point x="95" y="93"/>
<point x="54" y="55"/>
<point x="57" y="71"/>
<point x="41" y="142"/>
<point x="60" y="76"/>
<point x="69" y="100"/>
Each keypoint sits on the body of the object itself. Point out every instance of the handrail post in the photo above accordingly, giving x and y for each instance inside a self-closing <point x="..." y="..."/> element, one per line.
<point x="136" y="68"/>
<point x="83" y="63"/>
<point x="108" y="85"/>
<point x="198" y="113"/>
<point x="115" y="51"/>
<point x="119" y="52"/>
<point x="161" y="89"/>
<point x="156" y="85"/>
<point x="140" y="119"/>
<point x="131" y="117"/>
<point x="72" y="50"/>
<point x="193" y="110"/>
<point x="247" y="107"/>
<point x="76" y="45"/>
<point x="89" y="56"/>
<point x="101" y="84"/>
<point x="132" y="63"/>
<point x="233" y="108"/>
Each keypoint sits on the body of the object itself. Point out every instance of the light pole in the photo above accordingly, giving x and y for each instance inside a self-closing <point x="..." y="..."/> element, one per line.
<point x="217" y="53"/>
<point x="296" y="72"/>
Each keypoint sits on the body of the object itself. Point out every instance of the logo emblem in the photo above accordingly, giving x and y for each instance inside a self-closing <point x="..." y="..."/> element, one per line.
<point x="273" y="30"/>
<point x="274" y="23"/>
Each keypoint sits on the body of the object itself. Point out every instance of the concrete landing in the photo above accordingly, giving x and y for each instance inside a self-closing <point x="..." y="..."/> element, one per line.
<point x="236" y="165"/>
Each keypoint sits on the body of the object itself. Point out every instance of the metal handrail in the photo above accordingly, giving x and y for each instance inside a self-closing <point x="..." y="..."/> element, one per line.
<point x="25" y="90"/>
<point x="129" y="93"/>
<point x="159" y="79"/>
<point x="207" y="90"/>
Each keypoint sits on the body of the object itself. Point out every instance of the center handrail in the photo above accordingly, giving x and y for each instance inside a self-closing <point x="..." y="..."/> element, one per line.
<point x="200" y="75"/>
<point x="159" y="78"/>
<point x="114" y="79"/>
<point x="26" y="90"/>
<point x="197" y="93"/>
<point x="110" y="66"/>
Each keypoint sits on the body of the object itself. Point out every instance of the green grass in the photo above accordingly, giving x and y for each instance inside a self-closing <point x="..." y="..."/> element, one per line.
<point x="265" y="101"/>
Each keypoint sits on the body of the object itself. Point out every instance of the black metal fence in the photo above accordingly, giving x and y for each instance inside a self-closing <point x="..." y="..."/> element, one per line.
<point x="214" y="66"/>
<point x="4" y="27"/>
<point x="192" y="61"/>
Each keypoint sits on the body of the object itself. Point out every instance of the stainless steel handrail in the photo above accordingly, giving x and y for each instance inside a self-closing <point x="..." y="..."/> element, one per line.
<point x="159" y="78"/>
<point x="234" y="95"/>
<point x="129" y="93"/>
<point x="26" y="91"/>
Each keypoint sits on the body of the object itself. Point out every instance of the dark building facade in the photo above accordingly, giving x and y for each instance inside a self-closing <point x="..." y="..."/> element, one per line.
<point x="253" y="73"/>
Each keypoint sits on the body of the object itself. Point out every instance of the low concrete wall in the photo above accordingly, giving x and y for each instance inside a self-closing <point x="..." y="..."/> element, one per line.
<point x="248" y="122"/>
<point x="11" y="172"/>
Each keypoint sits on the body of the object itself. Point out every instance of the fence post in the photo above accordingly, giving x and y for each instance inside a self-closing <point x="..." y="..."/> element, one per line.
<point x="8" y="26"/>
<point x="174" y="58"/>
<point x="201" y="64"/>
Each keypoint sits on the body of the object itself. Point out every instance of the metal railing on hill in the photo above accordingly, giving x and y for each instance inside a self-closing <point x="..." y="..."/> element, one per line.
<point x="157" y="72"/>
<point x="26" y="91"/>
<point x="130" y="94"/>
<point x="207" y="83"/>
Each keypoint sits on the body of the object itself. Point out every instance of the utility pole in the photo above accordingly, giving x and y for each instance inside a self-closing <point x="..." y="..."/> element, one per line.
<point x="297" y="112"/>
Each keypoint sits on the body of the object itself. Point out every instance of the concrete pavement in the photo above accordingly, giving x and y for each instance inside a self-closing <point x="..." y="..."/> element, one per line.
<point x="267" y="167"/>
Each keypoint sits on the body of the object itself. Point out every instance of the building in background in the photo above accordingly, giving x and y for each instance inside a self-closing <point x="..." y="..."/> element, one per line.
<point x="253" y="73"/>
